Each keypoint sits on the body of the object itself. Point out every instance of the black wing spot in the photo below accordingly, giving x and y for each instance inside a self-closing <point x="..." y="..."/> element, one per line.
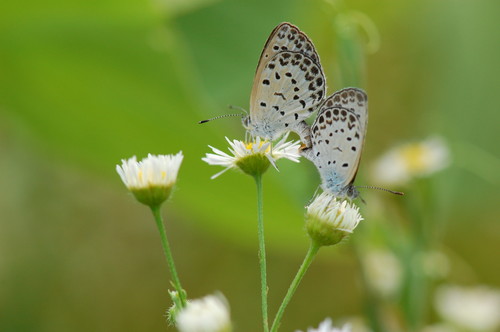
<point x="335" y="112"/>
<point x="263" y="104"/>
<point x="276" y="108"/>
<point x="280" y="94"/>
<point x="312" y="87"/>
<point x="282" y="113"/>
<point x="321" y="119"/>
<point x="345" y="165"/>
<point x="317" y="154"/>
<point x="328" y="114"/>
<point x="277" y="75"/>
<point x="271" y="66"/>
<point x="331" y="134"/>
<point x="296" y="116"/>
<point x="286" y="124"/>
<point x="353" y="148"/>
<point x="276" y="47"/>
<point x="319" y="81"/>
<point x="327" y="141"/>
<point x="296" y="97"/>
<point x="296" y="89"/>
<point x="303" y="103"/>
<point x="294" y="81"/>
<point x="349" y="138"/>
<point x="288" y="74"/>
<point x="266" y="82"/>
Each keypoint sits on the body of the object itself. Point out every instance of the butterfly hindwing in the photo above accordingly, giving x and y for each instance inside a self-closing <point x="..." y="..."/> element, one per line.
<point x="338" y="136"/>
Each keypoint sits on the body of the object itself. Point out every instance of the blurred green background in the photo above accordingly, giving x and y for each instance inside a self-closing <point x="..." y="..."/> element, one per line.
<point x="84" y="84"/>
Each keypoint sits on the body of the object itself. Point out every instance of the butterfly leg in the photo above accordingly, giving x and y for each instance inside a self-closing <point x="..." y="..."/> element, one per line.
<point x="304" y="131"/>
<point x="307" y="153"/>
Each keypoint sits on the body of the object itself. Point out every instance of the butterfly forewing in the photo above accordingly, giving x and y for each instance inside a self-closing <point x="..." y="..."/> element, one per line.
<point x="289" y="83"/>
<point x="291" y="87"/>
<point x="353" y="99"/>
<point x="287" y="37"/>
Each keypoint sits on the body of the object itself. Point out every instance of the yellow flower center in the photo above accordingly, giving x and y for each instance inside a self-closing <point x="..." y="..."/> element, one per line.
<point x="415" y="156"/>
<point x="250" y="145"/>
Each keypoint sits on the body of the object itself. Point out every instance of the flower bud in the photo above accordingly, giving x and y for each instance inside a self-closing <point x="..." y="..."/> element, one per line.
<point x="208" y="314"/>
<point x="329" y="220"/>
<point x="152" y="179"/>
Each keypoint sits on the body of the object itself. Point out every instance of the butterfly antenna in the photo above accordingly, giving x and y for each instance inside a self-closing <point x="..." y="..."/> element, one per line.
<point x="220" y="117"/>
<point x="232" y="107"/>
<point x="383" y="189"/>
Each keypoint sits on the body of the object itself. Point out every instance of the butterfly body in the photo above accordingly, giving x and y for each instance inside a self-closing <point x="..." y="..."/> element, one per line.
<point x="337" y="137"/>
<point x="288" y="86"/>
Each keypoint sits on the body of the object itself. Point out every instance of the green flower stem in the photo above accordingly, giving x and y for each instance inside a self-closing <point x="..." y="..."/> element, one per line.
<point x="262" y="251"/>
<point x="371" y="305"/>
<point x="168" y="254"/>
<point x="311" y="253"/>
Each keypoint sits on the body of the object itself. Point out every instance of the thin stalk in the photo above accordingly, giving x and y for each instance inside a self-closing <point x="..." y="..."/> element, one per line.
<point x="371" y="305"/>
<point x="262" y="251"/>
<point x="311" y="253"/>
<point x="168" y="254"/>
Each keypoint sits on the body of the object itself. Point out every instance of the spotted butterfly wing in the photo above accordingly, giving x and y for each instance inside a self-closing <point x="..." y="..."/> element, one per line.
<point x="338" y="135"/>
<point x="288" y="86"/>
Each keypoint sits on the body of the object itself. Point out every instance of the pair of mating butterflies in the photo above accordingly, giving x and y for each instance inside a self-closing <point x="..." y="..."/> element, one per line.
<point x="289" y="86"/>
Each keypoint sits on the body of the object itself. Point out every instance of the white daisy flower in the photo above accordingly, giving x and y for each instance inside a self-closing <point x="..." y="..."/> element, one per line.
<point x="420" y="159"/>
<point x="326" y="326"/>
<point x="471" y="308"/>
<point x="329" y="220"/>
<point x="383" y="271"/>
<point x="150" y="180"/>
<point x="208" y="314"/>
<point x="254" y="157"/>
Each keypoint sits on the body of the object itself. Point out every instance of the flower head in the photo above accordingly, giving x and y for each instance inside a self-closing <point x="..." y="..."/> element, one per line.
<point x="407" y="161"/>
<point x="471" y="308"/>
<point x="254" y="157"/>
<point x="329" y="220"/>
<point x="326" y="326"/>
<point x="383" y="271"/>
<point x="208" y="314"/>
<point x="150" y="180"/>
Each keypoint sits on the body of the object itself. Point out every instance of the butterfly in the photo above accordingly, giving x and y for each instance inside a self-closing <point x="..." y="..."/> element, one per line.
<point x="289" y="85"/>
<point x="337" y="136"/>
